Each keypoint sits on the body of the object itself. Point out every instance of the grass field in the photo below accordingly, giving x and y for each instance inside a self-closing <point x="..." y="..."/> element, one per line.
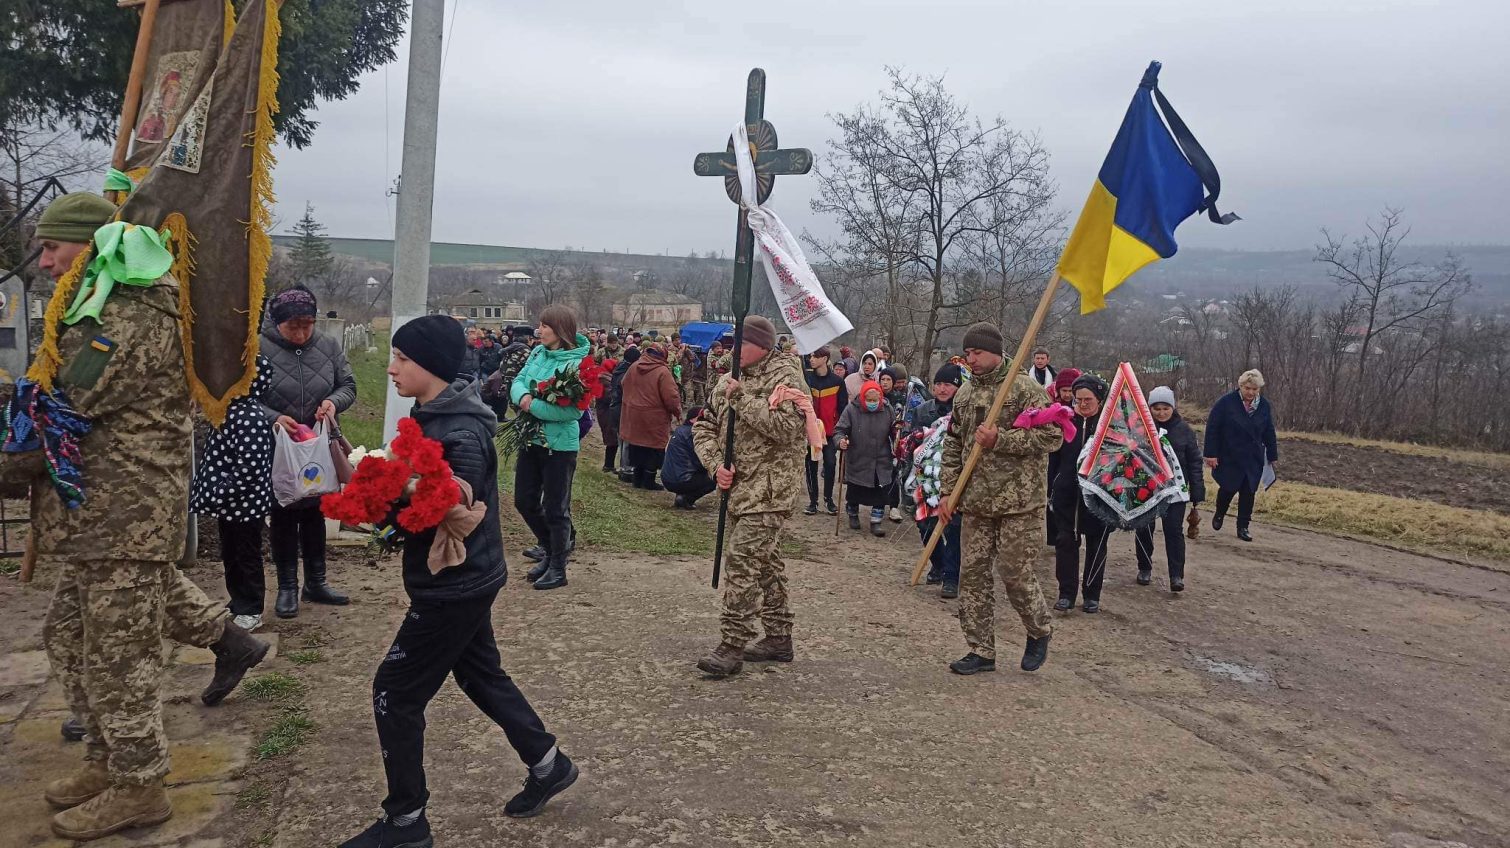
<point x="606" y="512"/>
<point x="609" y="514"/>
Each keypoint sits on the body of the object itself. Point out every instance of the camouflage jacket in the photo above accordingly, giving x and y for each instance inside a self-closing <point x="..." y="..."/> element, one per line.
<point x="719" y="366"/>
<point x="769" y="445"/>
<point x="1009" y="479"/>
<point x="126" y="374"/>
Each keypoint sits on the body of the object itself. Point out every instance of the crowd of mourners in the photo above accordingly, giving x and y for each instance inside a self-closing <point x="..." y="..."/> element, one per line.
<point x="102" y="451"/>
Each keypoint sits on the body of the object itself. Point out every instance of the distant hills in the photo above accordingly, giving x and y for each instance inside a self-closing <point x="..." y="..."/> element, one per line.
<point x="1196" y="272"/>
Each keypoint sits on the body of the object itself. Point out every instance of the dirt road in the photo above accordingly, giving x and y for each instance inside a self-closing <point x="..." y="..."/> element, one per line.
<point x="1304" y="691"/>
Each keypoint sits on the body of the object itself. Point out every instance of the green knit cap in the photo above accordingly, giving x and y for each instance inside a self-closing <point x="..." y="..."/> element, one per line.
<point x="74" y="217"/>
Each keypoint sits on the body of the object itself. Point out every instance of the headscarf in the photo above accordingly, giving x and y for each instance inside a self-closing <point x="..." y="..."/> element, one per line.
<point x="295" y="302"/>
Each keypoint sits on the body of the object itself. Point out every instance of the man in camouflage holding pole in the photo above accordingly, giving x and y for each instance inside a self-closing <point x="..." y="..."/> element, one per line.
<point x="766" y="475"/>
<point x="1003" y="505"/>
<point x="115" y="353"/>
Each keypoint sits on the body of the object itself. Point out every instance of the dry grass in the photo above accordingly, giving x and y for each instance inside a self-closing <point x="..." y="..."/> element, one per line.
<point x="1427" y="527"/>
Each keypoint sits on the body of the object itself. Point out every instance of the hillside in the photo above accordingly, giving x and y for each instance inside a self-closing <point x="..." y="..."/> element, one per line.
<point x="1196" y="272"/>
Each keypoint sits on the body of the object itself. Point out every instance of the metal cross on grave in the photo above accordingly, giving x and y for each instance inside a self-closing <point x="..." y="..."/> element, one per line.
<point x="769" y="162"/>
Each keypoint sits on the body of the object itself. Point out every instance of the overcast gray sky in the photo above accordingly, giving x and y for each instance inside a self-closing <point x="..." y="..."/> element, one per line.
<point x="575" y="123"/>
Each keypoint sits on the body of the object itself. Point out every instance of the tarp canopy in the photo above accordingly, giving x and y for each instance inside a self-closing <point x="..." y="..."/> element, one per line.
<point x="702" y="335"/>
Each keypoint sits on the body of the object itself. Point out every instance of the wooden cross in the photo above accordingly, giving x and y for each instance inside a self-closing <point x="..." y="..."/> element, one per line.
<point x="769" y="161"/>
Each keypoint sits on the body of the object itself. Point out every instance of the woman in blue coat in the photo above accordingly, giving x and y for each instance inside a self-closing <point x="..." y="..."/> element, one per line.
<point x="1239" y="440"/>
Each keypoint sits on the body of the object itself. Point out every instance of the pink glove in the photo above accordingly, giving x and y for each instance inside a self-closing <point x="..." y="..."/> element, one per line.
<point x="1055" y="414"/>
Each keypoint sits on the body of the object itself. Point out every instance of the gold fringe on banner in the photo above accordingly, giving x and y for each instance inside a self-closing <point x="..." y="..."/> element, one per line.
<point x="230" y="25"/>
<point x="259" y="246"/>
<point x="45" y="366"/>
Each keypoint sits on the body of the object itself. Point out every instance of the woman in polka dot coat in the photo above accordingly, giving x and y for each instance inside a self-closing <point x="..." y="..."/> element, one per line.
<point x="233" y="483"/>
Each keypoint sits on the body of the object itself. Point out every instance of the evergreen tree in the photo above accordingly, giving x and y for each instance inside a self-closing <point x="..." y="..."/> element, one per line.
<point x="310" y="255"/>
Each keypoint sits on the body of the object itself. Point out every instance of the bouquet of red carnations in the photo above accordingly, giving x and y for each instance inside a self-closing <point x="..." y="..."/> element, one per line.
<point x="577" y="386"/>
<point x="382" y="477"/>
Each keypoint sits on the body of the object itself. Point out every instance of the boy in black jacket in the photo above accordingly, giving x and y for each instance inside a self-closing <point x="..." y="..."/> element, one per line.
<point x="448" y="629"/>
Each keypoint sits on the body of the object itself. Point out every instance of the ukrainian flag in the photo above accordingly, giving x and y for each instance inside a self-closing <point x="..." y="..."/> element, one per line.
<point x="1154" y="177"/>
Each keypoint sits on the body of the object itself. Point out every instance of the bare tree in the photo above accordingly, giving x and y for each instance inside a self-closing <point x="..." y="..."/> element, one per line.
<point x="29" y="158"/>
<point x="1389" y="293"/>
<point x="916" y="182"/>
<point x="547" y="272"/>
<point x="588" y="289"/>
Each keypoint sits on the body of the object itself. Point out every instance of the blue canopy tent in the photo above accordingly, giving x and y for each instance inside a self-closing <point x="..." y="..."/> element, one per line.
<point x="702" y="335"/>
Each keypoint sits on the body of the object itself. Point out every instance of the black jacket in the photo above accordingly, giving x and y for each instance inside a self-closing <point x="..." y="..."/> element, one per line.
<point x="458" y="419"/>
<point x="488" y="359"/>
<point x="1187" y="449"/>
<point x="682" y="466"/>
<point x="1065" y="497"/>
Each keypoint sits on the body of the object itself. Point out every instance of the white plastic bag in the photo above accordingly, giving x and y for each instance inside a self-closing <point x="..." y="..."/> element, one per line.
<point x="303" y="469"/>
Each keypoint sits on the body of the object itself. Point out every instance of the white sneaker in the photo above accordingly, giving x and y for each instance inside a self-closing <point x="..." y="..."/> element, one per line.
<point x="896" y="515"/>
<point x="248" y="623"/>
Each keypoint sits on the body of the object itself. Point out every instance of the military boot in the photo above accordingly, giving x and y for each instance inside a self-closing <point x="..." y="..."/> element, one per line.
<point x="725" y="660"/>
<point x="114" y="810"/>
<point x="236" y="652"/>
<point x="73" y="790"/>
<point x="770" y="649"/>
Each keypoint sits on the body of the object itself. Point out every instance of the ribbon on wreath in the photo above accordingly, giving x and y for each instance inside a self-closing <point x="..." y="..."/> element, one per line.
<point x="809" y="314"/>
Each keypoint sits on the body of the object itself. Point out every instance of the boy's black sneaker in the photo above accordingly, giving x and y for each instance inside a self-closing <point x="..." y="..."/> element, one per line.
<point x="537" y="791"/>
<point x="1145" y="578"/>
<point x="972" y="663"/>
<point x="934" y="577"/>
<point x="949" y="592"/>
<point x="811" y="509"/>
<point x="385" y="834"/>
<point x="831" y="507"/>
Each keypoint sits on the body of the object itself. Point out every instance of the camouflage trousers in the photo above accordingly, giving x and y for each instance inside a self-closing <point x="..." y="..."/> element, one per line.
<point x="754" y="579"/>
<point x="1010" y="543"/>
<point x="104" y="632"/>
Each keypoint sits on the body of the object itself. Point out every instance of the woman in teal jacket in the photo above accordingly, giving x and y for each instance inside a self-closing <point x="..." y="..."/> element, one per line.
<point x="543" y="471"/>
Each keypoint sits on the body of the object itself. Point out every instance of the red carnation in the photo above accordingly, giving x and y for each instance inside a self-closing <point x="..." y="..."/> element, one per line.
<point x="563" y="401"/>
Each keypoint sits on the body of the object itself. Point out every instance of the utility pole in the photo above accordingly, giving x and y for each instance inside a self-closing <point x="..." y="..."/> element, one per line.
<point x="411" y="241"/>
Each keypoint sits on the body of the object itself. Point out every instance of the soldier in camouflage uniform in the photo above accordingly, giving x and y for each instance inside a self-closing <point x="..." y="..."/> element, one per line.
<point x="767" y="472"/>
<point x="121" y="367"/>
<point x="1002" y="505"/>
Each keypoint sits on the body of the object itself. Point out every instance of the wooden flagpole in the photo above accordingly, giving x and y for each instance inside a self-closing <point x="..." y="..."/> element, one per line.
<point x="1026" y="345"/>
<point x="133" y="99"/>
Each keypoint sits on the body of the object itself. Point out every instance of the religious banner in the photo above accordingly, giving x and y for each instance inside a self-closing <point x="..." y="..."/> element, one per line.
<point x="186" y="42"/>
<point x="809" y="314"/>
<point x="210" y="190"/>
<point x="1126" y="476"/>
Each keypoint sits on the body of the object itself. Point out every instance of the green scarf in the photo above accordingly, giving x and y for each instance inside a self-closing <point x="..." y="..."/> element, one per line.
<point x="123" y="253"/>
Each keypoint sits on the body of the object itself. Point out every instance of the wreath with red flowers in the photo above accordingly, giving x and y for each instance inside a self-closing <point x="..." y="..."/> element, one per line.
<point x="380" y="480"/>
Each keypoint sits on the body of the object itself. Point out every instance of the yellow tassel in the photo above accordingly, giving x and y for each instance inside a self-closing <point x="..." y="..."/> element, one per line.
<point x="230" y="25"/>
<point x="45" y="366"/>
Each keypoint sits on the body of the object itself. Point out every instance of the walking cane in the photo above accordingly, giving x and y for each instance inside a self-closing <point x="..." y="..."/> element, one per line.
<point x="839" y="516"/>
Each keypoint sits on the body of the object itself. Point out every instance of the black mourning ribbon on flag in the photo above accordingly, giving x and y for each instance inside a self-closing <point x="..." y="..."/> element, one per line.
<point x="1194" y="153"/>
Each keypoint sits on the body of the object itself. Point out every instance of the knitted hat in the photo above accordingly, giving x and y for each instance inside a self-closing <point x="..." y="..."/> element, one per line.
<point x="759" y="331"/>
<point x="1098" y="386"/>
<point x="655" y="350"/>
<point x="949" y="373"/>
<point x="983" y="336"/>
<point x="295" y="302"/>
<point x="74" y="217"/>
<point x="434" y="342"/>
<point x="1162" y="394"/>
<point x="1066" y="378"/>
